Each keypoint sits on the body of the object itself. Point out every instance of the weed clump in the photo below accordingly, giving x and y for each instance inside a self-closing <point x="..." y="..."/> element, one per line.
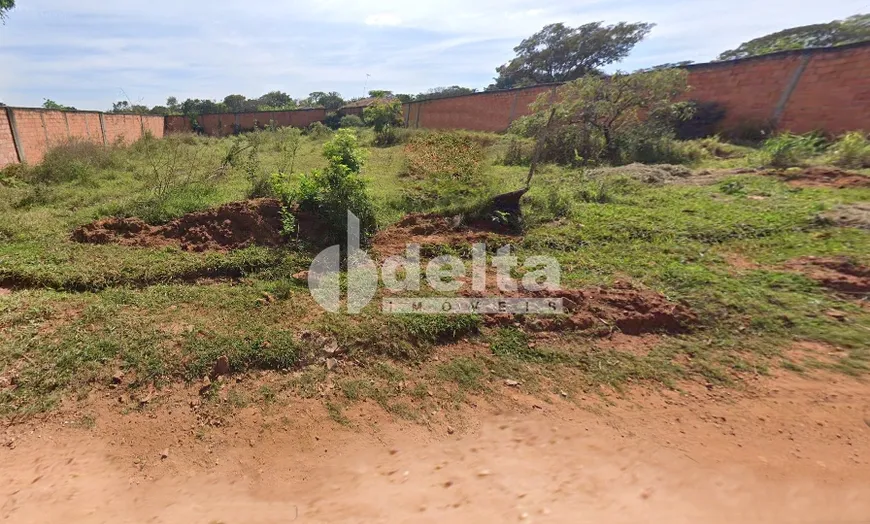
<point x="788" y="150"/>
<point x="852" y="150"/>
<point x="332" y="192"/>
<point x="74" y="160"/>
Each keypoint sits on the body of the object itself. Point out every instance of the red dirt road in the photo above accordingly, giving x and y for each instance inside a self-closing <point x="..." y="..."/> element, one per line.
<point x="788" y="449"/>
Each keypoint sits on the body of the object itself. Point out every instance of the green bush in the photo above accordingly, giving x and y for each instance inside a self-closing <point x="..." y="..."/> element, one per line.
<point x="317" y="130"/>
<point x="386" y="137"/>
<point x="77" y="159"/>
<point x="851" y="150"/>
<point x="518" y="152"/>
<point x="331" y="193"/>
<point x="619" y="119"/>
<point x="787" y="149"/>
<point x="351" y="121"/>
<point x="383" y="113"/>
<point x="446" y="171"/>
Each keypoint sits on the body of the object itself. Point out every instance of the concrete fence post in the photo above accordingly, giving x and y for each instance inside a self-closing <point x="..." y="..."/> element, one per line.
<point x="44" y="128"/>
<point x="779" y="109"/>
<point x="66" y="121"/>
<point x="16" y="138"/>
<point x="513" y="108"/>
<point x="103" y="129"/>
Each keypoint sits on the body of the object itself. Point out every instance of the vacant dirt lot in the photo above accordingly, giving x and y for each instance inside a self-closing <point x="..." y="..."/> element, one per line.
<point x="787" y="449"/>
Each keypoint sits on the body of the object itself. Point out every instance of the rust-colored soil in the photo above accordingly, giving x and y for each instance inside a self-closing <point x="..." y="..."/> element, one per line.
<point x="837" y="273"/>
<point x="786" y="448"/>
<point x="605" y="310"/>
<point x="824" y="177"/>
<point x="435" y="230"/>
<point x="231" y="226"/>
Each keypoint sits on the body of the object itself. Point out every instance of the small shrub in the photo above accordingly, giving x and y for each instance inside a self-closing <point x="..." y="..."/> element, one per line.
<point x="13" y="172"/>
<point x="334" y="191"/>
<point x="383" y="113"/>
<point x="704" y="121"/>
<point x="76" y="159"/>
<point x="749" y="131"/>
<point x="518" y="153"/>
<point x="787" y="150"/>
<point x="351" y="121"/>
<point x="716" y="148"/>
<point x="386" y="137"/>
<point x="318" y="131"/>
<point x="447" y="171"/>
<point x="851" y="150"/>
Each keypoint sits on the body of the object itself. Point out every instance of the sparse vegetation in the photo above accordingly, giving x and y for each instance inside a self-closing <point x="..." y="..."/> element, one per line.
<point x="80" y="310"/>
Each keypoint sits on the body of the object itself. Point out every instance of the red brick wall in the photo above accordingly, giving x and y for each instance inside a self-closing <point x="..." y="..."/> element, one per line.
<point x="8" y="154"/>
<point x="85" y="126"/>
<point x="748" y="89"/>
<point x="39" y="130"/>
<point x="831" y="94"/>
<point x="177" y="124"/>
<point x="31" y="134"/>
<point x="478" y="112"/>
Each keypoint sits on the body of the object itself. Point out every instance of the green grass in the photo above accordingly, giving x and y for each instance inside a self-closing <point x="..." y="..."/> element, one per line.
<point x="80" y="312"/>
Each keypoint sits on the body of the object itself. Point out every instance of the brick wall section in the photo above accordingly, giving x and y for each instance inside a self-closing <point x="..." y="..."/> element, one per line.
<point x="177" y="124"/>
<point x="833" y="93"/>
<point x="39" y="130"/>
<point x="155" y="124"/>
<point x="479" y="112"/>
<point x="31" y="134"/>
<point x="8" y="154"/>
<point x="85" y="126"/>
<point x="748" y="89"/>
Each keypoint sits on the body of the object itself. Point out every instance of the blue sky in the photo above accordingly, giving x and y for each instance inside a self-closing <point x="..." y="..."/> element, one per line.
<point x="89" y="53"/>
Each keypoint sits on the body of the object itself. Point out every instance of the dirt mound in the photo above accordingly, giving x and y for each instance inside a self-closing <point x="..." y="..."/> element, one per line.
<point x="621" y="307"/>
<point x="820" y="176"/>
<point x="837" y="273"/>
<point x="434" y="230"/>
<point x="850" y="215"/>
<point x="231" y="226"/>
<point x="648" y="174"/>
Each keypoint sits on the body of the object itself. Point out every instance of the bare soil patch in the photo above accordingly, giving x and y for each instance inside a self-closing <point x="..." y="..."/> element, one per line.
<point x="789" y="448"/>
<point x="435" y="230"/>
<point x="620" y="308"/>
<point x="820" y="176"/>
<point x="231" y="226"/>
<point x="836" y="273"/>
<point x="850" y="215"/>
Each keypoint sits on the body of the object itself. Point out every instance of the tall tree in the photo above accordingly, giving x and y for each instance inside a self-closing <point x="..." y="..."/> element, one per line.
<point x="172" y="105"/>
<point x="559" y="53"/>
<point x="837" y="32"/>
<point x="235" y="103"/>
<point x="276" y="100"/>
<point x="51" y="104"/>
<point x="5" y="7"/>
<point x="330" y="101"/>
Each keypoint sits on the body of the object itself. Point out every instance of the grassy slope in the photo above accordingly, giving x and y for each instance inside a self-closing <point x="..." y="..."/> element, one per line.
<point x="132" y="308"/>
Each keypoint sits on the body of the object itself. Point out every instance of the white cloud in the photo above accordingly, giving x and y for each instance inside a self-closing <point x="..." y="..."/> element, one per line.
<point x="82" y="53"/>
<point x="388" y="19"/>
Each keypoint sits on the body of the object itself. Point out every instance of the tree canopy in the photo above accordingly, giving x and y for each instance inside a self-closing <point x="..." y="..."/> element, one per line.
<point x="437" y="92"/>
<point x="559" y="53"/>
<point x="5" y="7"/>
<point x="837" y="32"/>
